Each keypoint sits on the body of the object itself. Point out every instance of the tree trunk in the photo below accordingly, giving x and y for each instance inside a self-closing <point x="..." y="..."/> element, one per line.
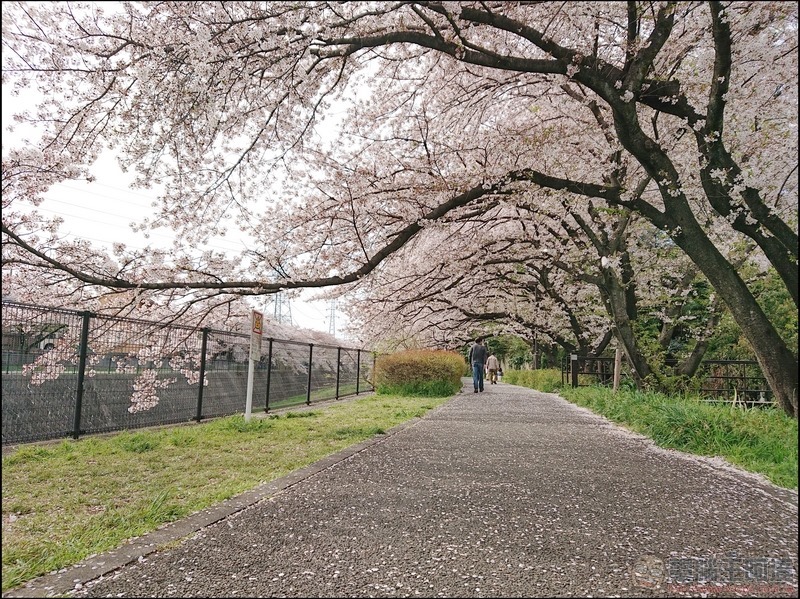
<point x="689" y="366"/>
<point x="616" y="301"/>
<point x="777" y="362"/>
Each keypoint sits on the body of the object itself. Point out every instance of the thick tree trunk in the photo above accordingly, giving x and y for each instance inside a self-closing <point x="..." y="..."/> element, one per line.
<point x="777" y="361"/>
<point x="617" y="304"/>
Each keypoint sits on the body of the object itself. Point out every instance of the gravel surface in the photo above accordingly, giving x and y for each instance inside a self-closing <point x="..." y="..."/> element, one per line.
<point x="506" y="493"/>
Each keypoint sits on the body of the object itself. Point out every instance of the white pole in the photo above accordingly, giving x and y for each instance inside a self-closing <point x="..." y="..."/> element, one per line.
<point x="249" y="405"/>
<point x="255" y="355"/>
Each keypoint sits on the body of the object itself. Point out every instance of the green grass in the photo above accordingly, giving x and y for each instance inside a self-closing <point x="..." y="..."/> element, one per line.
<point x="546" y="380"/>
<point x="65" y="501"/>
<point x="760" y="440"/>
<point x="438" y="388"/>
<point x="321" y="394"/>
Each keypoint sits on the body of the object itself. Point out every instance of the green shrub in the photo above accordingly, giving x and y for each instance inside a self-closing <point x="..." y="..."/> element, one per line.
<point x="420" y="373"/>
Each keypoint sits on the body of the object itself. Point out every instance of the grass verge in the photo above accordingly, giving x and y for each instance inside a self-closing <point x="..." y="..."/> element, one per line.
<point x="760" y="440"/>
<point x="63" y="502"/>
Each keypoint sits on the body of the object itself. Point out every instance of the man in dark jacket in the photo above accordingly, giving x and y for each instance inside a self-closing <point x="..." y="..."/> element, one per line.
<point x="477" y="359"/>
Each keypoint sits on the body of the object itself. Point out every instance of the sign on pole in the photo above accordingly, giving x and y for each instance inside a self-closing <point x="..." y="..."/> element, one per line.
<point x="256" y="330"/>
<point x="255" y="335"/>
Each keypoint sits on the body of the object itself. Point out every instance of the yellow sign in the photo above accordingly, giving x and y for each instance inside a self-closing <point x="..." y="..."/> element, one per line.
<point x="255" y="336"/>
<point x="258" y="322"/>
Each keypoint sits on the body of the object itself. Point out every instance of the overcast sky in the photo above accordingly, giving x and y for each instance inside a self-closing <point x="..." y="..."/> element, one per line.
<point x="101" y="212"/>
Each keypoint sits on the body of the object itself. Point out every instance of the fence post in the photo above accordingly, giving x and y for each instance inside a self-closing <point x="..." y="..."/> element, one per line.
<point x="338" y="368"/>
<point x="269" y="372"/>
<point x="358" y="370"/>
<point x="83" y="349"/>
<point x="203" y="347"/>
<point x="374" y="362"/>
<point x="310" y="362"/>
<point x="573" y="369"/>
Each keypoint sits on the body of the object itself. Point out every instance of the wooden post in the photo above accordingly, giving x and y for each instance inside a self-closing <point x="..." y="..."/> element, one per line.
<point x="573" y="368"/>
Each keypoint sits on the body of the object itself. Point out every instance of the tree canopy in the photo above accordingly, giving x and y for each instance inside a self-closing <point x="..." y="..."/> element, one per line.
<point x="585" y="158"/>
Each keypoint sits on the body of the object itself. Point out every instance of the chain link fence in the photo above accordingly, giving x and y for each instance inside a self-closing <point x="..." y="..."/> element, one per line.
<point x="68" y="373"/>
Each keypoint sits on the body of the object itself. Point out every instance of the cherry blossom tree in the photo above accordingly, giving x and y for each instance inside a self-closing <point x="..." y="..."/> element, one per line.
<point x="132" y="334"/>
<point x="682" y="113"/>
<point x="525" y="284"/>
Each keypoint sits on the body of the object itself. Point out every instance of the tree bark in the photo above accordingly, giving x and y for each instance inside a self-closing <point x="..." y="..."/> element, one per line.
<point x="618" y="306"/>
<point x="777" y="362"/>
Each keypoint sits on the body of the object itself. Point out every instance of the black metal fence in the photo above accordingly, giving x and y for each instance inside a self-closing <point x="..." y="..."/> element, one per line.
<point x="739" y="381"/>
<point x="68" y="373"/>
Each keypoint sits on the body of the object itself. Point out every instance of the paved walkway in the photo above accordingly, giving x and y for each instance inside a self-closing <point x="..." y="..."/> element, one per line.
<point x="507" y="493"/>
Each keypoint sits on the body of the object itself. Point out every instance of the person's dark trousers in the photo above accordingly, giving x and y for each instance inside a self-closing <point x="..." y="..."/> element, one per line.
<point x="477" y="377"/>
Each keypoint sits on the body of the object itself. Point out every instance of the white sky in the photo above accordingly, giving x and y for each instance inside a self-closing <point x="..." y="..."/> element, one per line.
<point x="101" y="212"/>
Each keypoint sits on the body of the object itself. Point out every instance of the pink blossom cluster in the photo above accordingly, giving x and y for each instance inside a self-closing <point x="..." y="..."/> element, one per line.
<point x="145" y="388"/>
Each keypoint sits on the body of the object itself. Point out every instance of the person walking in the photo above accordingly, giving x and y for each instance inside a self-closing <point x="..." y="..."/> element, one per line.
<point x="477" y="359"/>
<point x="492" y="366"/>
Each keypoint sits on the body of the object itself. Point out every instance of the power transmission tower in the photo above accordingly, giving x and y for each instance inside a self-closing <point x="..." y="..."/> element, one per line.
<point x="332" y="318"/>
<point x="281" y="308"/>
